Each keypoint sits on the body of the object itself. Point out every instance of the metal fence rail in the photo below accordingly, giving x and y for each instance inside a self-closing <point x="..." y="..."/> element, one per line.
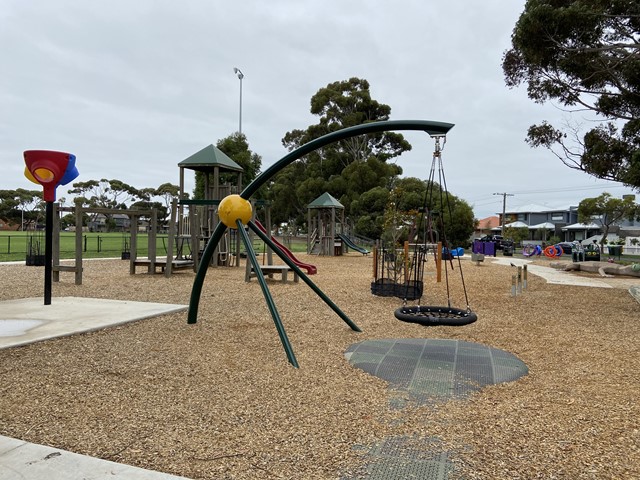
<point x="15" y="247"/>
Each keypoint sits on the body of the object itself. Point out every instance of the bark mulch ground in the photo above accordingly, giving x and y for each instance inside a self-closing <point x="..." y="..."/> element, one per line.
<point x="218" y="399"/>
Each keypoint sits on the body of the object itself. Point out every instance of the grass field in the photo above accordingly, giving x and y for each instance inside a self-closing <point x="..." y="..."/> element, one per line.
<point x="15" y="245"/>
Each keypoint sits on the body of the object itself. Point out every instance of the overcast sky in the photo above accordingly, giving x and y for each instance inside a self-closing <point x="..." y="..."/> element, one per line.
<point x="134" y="87"/>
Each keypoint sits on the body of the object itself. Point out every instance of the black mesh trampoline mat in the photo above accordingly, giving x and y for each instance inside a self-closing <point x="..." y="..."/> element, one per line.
<point x="407" y="458"/>
<point x="426" y="371"/>
<point x="435" y="369"/>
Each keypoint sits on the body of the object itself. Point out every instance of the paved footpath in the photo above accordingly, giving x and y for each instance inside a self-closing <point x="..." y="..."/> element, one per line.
<point x="21" y="460"/>
<point x="552" y="275"/>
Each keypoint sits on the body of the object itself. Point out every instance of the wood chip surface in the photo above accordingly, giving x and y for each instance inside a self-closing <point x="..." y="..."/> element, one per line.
<point x="218" y="399"/>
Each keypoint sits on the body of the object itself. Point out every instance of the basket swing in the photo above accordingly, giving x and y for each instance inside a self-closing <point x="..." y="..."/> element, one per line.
<point x="436" y="206"/>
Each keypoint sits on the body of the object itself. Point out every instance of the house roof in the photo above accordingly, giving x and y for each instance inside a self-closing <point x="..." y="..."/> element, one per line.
<point x="545" y="225"/>
<point x="536" y="208"/>
<point x="325" y="201"/>
<point x="517" y="224"/>
<point x="582" y="226"/>
<point x="209" y="157"/>
<point x="488" y="223"/>
<point x="529" y="208"/>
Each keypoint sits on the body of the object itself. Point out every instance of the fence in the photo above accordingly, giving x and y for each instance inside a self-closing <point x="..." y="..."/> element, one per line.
<point x="16" y="246"/>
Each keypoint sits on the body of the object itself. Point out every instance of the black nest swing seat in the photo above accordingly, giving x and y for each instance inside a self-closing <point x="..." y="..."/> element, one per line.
<point x="428" y="315"/>
<point x="384" y="287"/>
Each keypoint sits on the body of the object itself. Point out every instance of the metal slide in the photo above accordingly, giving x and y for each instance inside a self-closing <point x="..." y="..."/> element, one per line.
<point x="352" y="245"/>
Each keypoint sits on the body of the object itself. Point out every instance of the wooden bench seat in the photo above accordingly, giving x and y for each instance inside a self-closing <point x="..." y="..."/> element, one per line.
<point x="283" y="270"/>
<point x="162" y="264"/>
<point x="64" y="268"/>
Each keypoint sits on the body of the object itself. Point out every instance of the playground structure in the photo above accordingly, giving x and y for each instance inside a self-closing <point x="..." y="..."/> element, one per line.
<point x="323" y="225"/>
<point x="326" y="234"/>
<point x="347" y="243"/>
<point x="187" y="232"/>
<point x="531" y="250"/>
<point x="192" y="220"/>
<point x="553" y="251"/>
<point x="310" y="269"/>
<point x="400" y="271"/>
<point x="189" y="226"/>
<point x="269" y="267"/>
<point x="579" y="252"/>
<point x="151" y="262"/>
<point x="238" y="212"/>
<point x="222" y="177"/>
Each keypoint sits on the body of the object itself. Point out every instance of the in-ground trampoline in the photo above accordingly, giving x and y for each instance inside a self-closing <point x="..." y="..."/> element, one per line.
<point x="422" y="371"/>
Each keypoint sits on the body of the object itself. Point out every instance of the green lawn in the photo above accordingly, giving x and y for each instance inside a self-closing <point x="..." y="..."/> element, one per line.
<point x="14" y="245"/>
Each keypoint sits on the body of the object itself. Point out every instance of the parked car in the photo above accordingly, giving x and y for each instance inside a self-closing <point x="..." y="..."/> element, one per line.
<point x="498" y="240"/>
<point x="567" y="247"/>
<point x="491" y="238"/>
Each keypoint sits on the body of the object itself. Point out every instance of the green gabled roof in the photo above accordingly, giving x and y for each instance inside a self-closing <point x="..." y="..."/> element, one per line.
<point x="325" y="201"/>
<point x="210" y="157"/>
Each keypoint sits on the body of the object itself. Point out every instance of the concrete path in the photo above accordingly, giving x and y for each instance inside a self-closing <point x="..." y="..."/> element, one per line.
<point x="21" y="460"/>
<point x="29" y="320"/>
<point x="552" y="275"/>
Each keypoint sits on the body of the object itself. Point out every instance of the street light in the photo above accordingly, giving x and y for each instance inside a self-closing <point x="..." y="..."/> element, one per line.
<point x="240" y="75"/>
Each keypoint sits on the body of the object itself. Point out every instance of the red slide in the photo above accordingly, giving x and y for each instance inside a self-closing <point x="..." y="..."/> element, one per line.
<point x="311" y="269"/>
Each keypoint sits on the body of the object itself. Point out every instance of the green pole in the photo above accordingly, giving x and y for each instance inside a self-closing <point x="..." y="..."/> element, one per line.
<point x="431" y="128"/>
<point x="196" y="290"/>
<point x="304" y="277"/>
<point x="251" y="255"/>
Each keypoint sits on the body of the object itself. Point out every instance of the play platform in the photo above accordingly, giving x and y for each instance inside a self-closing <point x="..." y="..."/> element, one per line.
<point x="28" y="320"/>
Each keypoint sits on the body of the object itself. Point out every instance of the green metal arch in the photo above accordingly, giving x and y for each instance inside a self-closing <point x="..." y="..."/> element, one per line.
<point x="432" y="128"/>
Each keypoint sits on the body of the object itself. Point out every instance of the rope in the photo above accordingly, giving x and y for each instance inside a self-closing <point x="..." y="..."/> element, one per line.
<point x="436" y="219"/>
<point x="446" y="193"/>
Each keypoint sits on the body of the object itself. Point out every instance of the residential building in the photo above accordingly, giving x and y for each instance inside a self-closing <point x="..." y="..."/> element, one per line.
<point x="121" y="221"/>
<point x="486" y="226"/>
<point x="6" y="225"/>
<point x="561" y="223"/>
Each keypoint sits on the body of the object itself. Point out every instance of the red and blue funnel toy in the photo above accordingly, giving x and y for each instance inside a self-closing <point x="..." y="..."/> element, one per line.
<point x="50" y="169"/>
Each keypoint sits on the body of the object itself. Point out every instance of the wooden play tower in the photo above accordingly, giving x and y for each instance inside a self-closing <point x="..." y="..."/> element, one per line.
<point x="325" y="220"/>
<point x="222" y="177"/>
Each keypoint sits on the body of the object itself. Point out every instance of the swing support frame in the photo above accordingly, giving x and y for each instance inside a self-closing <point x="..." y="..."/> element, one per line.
<point x="431" y="128"/>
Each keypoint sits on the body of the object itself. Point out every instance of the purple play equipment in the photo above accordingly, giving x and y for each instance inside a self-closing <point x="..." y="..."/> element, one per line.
<point x="486" y="248"/>
<point x="531" y="250"/>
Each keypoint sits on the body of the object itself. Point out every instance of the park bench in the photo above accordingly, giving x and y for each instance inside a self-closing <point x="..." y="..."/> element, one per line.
<point x="283" y="270"/>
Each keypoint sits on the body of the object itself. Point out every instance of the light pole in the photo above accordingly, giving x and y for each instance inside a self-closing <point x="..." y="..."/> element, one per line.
<point x="240" y="75"/>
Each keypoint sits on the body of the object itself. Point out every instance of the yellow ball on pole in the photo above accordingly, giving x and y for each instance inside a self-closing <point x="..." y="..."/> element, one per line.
<point x="232" y="208"/>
